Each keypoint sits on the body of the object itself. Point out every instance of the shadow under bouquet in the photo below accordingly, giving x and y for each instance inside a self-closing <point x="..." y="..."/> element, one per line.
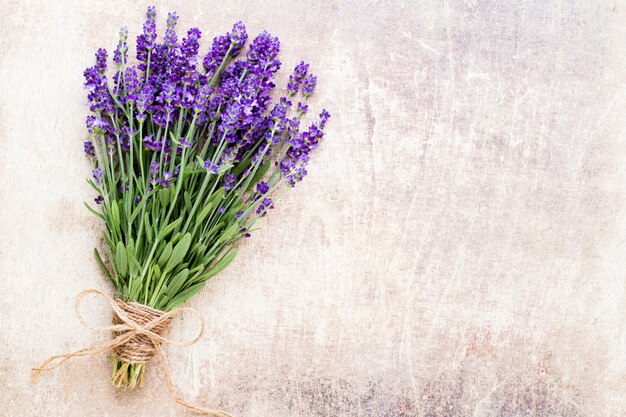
<point x="187" y="151"/>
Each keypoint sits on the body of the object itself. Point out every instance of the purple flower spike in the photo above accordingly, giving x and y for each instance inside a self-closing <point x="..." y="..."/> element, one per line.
<point x="229" y="181"/>
<point x="211" y="167"/>
<point x="170" y="33"/>
<point x="144" y="101"/>
<point x="166" y="180"/>
<point x="262" y="188"/>
<point x="99" y="199"/>
<point x="89" y="149"/>
<point x="308" y="85"/>
<point x="265" y="205"/>
<point x="101" y="60"/>
<point x="263" y="52"/>
<point x="154" y="168"/>
<point x="238" y="37"/>
<point x="324" y="116"/>
<point x="97" y="175"/>
<point x="145" y="41"/>
<point x="132" y="83"/>
<point x="302" y="108"/>
<point x="120" y="55"/>
<point x="217" y="54"/>
<point x="190" y="46"/>
<point x="296" y="79"/>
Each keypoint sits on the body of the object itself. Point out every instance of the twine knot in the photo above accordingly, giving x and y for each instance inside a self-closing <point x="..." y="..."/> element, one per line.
<point x="140" y="348"/>
<point x="137" y="337"/>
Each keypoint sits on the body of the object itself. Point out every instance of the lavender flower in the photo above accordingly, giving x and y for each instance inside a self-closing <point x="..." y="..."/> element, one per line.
<point x="101" y="60"/>
<point x="151" y="144"/>
<point x="154" y="167"/>
<point x="170" y="33"/>
<point x="308" y="85"/>
<point x="265" y="205"/>
<point x="120" y="55"/>
<point x="296" y="78"/>
<point x="99" y="199"/>
<point x="232" y="42"/>
<point x="131" y="82"/>
<point x="262" y="56"/>
<point x="324" y="116"/>
<point x="262" y="188"/>
<point x="97" y="175"/>
<point x="238" y="37"/>
<point x="302" y="108"/>
<point x="145" y="41"/>
<point x="144" y="101"/>
<point x="211" y="166"/>
<point x="89" y="149"/>
<point x="216" y="55"/>
<point x="229" y="181"/>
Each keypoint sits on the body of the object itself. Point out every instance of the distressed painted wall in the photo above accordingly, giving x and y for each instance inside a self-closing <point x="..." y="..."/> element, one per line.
<point x="457" y="250"/>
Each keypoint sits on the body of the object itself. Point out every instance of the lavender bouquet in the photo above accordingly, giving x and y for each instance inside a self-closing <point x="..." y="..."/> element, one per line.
<point x="187" y="151"/>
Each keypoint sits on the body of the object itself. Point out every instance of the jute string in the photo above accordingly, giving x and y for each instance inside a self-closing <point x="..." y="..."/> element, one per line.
<point x="137" y="337"/>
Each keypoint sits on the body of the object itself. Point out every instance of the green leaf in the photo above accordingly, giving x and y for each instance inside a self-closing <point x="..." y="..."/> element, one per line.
<point x="115" y="217"/>
<point x="96" y="254"/>
<point x="172" y="191"/>
<point x="187" y="201"/>
<point x="176" y="283"/>
<point x="208" y="258"/>
<point x="93" y="185"/>
<point x="200" y="249"/>
<point x="196" y="270"/>
<point x="229" y="232"/>
<point x="176" y="238"/>
<point x="222" y="263"/>
<point x="205" y="212"/>
<point x="164" y="197"/>
<point x="165" y="255"/>
<point x="121" y="261"/>
<point x="148" y="227"/>
<point x="93" y="211"/>
<point x="133" y="265"/>
<point x="179" y="252"/>
<point x="216" y="197"/>
<point x="137" y="210"/>
<point x="184" y="296"/>
<point x="109" y="240"/>
<point x="167" y="229"/>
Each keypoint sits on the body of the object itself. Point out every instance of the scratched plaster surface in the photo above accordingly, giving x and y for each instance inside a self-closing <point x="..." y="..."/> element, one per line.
<point x="457" y="250"/>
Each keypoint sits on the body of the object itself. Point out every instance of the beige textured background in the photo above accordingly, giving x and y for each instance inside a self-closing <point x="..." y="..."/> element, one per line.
<point x="457" y="250"/>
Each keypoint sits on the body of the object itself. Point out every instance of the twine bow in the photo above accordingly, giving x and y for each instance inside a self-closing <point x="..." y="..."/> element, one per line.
<point x="138" y="334"/>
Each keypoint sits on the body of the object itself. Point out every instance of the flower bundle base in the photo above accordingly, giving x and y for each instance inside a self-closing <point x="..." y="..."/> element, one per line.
<point x="137" y="337"/>
<point x="132" y="355"/>
<point x="187" y="153"/>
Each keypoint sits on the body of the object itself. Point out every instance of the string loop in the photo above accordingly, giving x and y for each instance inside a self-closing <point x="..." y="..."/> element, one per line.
<point x="137" y="337"/>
